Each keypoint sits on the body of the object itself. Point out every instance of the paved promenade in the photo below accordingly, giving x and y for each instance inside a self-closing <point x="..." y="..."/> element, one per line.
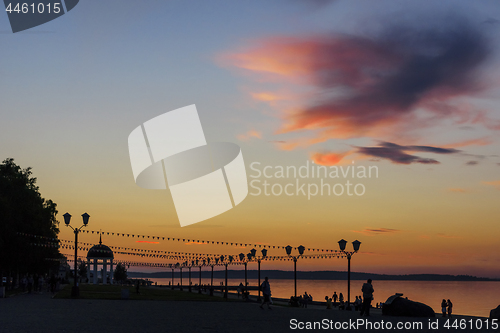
<point x="41" y="313"/>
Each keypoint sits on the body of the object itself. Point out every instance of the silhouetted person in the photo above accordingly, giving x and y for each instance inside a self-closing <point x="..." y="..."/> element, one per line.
<point x="341" y="301"/>
<point x="240" y="289"/>
<point x="266" y="291"/>
<point x="357" y="303"/>
<point x="40" y="283"/>
<point x="335" y="297"/>
<point x="328" y="302"/>
<point x="24" y="283"/>
<point x="367" y="290"/>
<point x="35" y="283"/>
<point x="450" y="307"/>
<point x="443" y="307"/>
<point x="30" y="283"/>
<point x="306" y="299"/>
<point x="53" y="283"/>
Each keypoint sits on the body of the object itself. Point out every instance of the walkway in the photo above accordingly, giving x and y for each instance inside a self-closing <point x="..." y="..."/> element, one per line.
<point x="40" y="313"/>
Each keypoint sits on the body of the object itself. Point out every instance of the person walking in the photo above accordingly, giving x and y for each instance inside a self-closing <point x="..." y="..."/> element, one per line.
<point x="367" y="290"/>
<point x="40" y="283"/>
<point x="266" y="291"/>
<point x="443" y="307"/>
<point x="30" y="284"/>
<point x="53" y="283"/>
<point x="305" y="300"/>
<point x="335" y="297"/>
<point x="450" y="307"/>
<point x="240" y="289"/>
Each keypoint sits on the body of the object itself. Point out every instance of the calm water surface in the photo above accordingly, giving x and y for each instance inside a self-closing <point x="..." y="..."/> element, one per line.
<point x="470" y="298"/>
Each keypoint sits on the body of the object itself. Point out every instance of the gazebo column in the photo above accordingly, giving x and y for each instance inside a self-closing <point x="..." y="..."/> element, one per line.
<point x="95" y="271"/>
<point x="88" y="270"/>
<point x="111" y="272"/>
<point x="104" y="272"/>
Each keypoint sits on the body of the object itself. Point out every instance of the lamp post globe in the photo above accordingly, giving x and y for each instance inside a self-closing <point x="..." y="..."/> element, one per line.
<point x="355" y="245"/>
<point x="67" y="218"/>
<point x="85" y="218"/>
<point x="342" y="244"/>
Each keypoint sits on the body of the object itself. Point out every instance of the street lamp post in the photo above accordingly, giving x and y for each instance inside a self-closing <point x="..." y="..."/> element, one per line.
<point x="264" y="254"/>
<point x="245" y="262"/>
<point x="249" y="257"/>
<point x="212" y="276"/>
<point x="225" y="264"/>
<point x="189" y="288"/>
<point x="75" y="291"/>
<point x="288" y="250"/>
<point x="180" y="268"/>
<point x="228" y="261"/>
<point x="355" y="246"/>
<point x="172" y="276"/>
<point x="199" y="283"/>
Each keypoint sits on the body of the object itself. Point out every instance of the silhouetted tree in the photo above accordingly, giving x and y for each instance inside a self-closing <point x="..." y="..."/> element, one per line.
<point x="120" y="273"/>
<point x="24" y="213"/>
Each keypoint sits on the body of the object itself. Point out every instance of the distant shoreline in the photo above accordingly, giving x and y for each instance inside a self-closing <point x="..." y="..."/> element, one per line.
<point x="311" y="275"/>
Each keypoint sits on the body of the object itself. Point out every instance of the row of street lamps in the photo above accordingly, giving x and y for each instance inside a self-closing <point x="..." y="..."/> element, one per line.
<point x="75" y="292"/>
<point x="342" y="246"/>
<point x="251" y="256"/>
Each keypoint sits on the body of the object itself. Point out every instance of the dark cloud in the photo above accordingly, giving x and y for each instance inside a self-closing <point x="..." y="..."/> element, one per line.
<point x="398" y="154"/>
<point x="396" y="79"/>
<point x="379" y="231"/>
<point x="382" y="230"/>
<point x="386" y="78"/>
<point x="472" y="163"/>
<point x="491" y="21"/>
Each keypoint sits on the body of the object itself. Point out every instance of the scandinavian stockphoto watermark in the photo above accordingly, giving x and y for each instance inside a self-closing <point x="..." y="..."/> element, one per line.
<point x="205" y="180"/>
<point x="26" y="14"/>
<point x="310" y="179"/>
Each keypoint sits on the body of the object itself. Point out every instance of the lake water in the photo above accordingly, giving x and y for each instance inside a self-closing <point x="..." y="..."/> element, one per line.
<point x="468" y="298"/>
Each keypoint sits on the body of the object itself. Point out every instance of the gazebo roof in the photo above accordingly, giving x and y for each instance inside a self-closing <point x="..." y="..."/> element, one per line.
<point x="100" y="251"/>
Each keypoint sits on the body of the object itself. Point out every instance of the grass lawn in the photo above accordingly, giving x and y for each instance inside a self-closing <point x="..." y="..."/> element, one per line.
<point x="90" y="291"/>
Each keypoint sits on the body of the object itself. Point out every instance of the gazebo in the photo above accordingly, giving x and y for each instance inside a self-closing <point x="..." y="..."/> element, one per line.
<point x="100" y="255"/>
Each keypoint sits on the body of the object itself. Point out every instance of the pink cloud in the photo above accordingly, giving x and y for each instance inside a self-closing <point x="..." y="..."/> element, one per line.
<point x="328" y="158"/>
<point x="495" y="184"/>
<point x="250" y="134"/>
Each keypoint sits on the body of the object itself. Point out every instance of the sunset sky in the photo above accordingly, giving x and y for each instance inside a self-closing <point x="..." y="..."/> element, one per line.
<point x="410" y="89"/>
